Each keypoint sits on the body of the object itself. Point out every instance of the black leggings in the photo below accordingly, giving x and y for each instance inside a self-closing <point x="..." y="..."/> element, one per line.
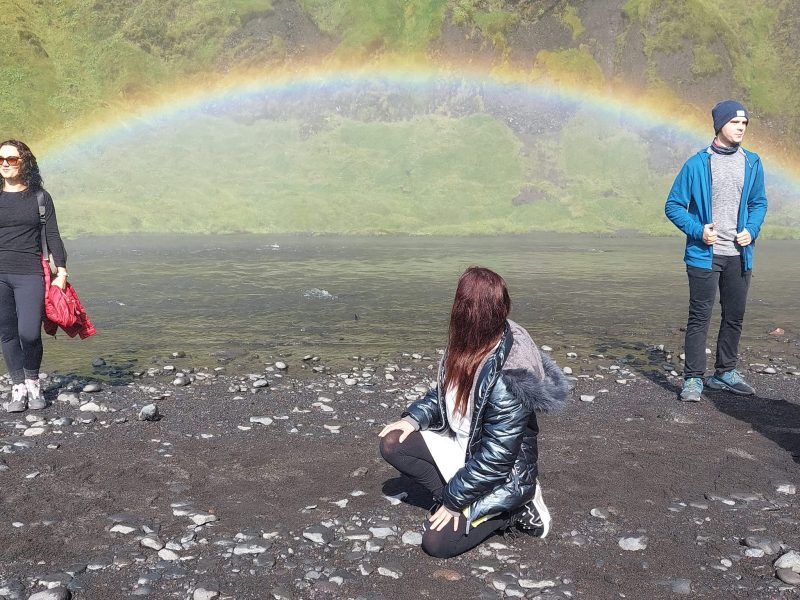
<point x="21" y="309"/>
<point x="413" y="459"/>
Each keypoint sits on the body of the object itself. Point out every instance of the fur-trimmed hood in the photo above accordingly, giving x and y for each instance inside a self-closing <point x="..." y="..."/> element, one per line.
<point x="533" y="376"/>
<point x="545" y="395"/>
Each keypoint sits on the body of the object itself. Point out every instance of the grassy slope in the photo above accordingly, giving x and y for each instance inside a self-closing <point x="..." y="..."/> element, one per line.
<point x="425" y="175"/>
<point x="430" y="174"/>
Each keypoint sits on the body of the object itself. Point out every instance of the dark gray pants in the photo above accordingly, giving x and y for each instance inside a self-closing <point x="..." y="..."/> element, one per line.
<point x="726" y="273"/>
<point x="21" y="309"/>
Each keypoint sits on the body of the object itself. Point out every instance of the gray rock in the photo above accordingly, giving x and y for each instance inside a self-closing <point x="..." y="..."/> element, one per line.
<point x="167" y="554"/>
<point x="261" y="420"/>
<point x="203" y="518"/>
<point x="682" y="587"/>
<point x="56" y="593"/>
<point x="70" y="397"/>
<point x="152" y="542"/>
<point x="790" y="560"/>
<point x="318" y="534"/>
<point x="149" y="412"/>
<point x="260" y="383"/>
<point x="91" y="388"/>
<point x="181" y="381"/>
<point x="767" y="545"/>
<point x="412" y="538"/>
<point x="382" y="532"/>
<point x="390" y="571"/>
<point x="633" y="544"/>
<point x="11" y="589"/>
<point x="241" y="549"/>
<point x="788" y="576"/>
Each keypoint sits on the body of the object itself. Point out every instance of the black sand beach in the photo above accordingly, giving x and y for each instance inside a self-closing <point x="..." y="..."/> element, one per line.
<point x="214" y="500"/>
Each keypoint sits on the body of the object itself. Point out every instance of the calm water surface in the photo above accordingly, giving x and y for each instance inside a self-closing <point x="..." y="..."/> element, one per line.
<point x="260" y="296"/>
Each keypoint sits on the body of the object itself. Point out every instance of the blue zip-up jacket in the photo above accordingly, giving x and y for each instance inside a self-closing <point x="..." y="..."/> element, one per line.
<point x="689" y="206"/>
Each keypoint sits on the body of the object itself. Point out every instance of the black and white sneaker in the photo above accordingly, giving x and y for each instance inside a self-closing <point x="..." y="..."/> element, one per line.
<point x="533" y="518"/>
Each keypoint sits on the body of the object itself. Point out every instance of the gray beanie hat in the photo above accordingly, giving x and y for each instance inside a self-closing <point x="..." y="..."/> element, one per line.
<point x="725" y="111"/>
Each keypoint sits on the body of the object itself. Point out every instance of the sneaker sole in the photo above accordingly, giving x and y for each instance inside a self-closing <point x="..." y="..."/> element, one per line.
<point x="544" y="513"/>
<point x="724" y="387"/>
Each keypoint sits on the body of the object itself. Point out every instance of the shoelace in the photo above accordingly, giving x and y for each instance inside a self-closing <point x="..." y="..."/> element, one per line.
<point x="734" y="377"/>
<point x="694" y="384"/>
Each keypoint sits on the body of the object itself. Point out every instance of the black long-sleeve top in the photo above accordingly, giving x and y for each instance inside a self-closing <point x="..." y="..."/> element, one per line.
<point x="20" y="233"/>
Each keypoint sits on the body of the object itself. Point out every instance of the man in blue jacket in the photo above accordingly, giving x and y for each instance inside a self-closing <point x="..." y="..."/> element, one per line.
<point x="718" y="201"/>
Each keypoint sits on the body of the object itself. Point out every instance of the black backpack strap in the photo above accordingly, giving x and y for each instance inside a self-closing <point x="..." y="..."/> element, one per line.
<point x="40" y="202"/>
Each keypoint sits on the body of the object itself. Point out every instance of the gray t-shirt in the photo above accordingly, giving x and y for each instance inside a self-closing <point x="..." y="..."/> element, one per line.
<point x="727" y="182"/>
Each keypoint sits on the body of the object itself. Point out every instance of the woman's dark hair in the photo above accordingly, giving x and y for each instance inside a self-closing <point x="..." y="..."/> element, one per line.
<point x="29" y="168"/>
<point x="477" y="321"/>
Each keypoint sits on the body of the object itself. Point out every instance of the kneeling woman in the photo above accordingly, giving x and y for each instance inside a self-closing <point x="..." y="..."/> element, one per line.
<point x="471" y="440"/>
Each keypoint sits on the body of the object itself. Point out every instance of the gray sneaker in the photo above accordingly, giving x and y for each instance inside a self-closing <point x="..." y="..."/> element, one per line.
<point x="692" y="389"/>
<point x="19" y="399"/>
<point x="36" y="399"/>
<point x="730" y="381"/>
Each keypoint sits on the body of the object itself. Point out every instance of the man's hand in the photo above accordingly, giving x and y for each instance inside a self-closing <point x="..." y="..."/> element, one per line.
<point x="743" y="238"/>
<point x="709" y="235"/>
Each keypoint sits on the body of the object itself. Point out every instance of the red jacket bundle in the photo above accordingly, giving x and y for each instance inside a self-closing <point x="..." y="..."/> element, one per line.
<point x="63" y="308"/>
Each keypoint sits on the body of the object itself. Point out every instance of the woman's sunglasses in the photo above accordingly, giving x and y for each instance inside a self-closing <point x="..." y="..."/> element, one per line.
<point x="12" y="161"/>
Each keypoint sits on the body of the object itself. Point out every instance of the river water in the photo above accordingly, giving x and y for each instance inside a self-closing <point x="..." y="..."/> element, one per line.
<point x="255" y="297"/>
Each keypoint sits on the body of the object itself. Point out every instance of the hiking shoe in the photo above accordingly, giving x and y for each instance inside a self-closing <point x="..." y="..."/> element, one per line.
<point x="36" y="399"/>
<point x="692" y="389"/>
<point x="533" y="518"/>
<point x="19" y="399"/>
<point x="730" y="381"/>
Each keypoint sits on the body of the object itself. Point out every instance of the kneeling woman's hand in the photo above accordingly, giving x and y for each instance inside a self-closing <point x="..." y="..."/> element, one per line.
<point x="404" y="427"/>
<point x="442" y="517"/>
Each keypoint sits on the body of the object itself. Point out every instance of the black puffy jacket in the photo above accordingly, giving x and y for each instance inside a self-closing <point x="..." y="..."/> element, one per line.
<point x="511" y="385"/>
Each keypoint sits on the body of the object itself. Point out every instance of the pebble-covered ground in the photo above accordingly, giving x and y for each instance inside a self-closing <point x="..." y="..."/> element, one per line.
<point x="210" y="482"/>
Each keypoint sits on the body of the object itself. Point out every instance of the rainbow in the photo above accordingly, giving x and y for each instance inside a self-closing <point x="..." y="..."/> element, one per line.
<point x="646" y="110"/>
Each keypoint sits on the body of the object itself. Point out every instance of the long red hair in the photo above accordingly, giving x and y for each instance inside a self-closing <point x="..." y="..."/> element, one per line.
<point x="477" y="321"/>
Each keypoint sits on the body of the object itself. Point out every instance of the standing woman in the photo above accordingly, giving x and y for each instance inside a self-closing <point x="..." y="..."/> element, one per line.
<point x="21" y="276"/>
<point x="471" y="440"/>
